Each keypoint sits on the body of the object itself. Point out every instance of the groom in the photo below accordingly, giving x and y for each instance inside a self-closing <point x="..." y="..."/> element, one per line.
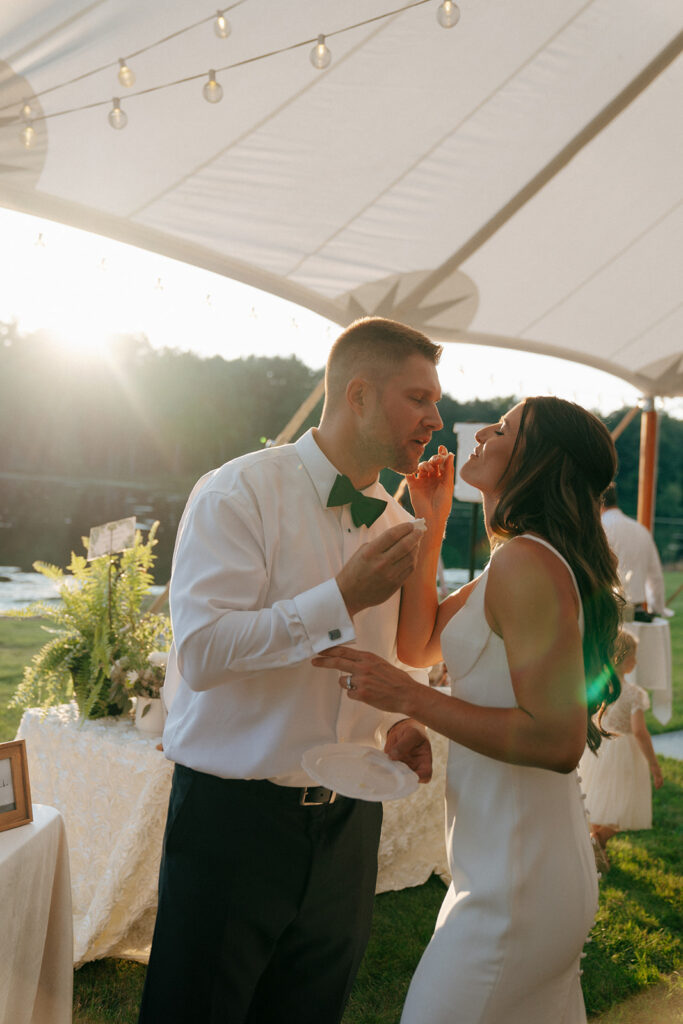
<point x="267" y="880"/>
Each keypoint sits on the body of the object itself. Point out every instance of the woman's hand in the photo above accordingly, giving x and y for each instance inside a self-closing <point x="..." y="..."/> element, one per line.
<point x="431" y="486"/>
<point x="373" y="680"/>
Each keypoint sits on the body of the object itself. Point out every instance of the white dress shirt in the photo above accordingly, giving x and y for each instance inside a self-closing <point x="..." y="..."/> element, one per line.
<point x="640" y="570"/>
<point x="253" y="598"/>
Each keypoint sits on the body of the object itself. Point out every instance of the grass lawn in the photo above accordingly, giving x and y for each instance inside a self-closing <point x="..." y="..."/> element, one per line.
<point x="19" y="641"/>
<point x="636" y="940"/>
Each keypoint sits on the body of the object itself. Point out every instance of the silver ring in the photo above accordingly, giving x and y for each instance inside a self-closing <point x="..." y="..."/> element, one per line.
<point x="348" y="684"/>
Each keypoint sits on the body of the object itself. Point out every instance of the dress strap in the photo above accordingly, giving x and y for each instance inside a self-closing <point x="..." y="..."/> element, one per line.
<point x="547" y="544"/>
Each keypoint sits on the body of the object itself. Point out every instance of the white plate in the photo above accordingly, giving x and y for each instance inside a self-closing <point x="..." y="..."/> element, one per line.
<point x="355" y="770"/>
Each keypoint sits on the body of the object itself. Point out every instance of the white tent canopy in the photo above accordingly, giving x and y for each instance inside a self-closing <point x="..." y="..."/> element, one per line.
<point x="513" y="181"/>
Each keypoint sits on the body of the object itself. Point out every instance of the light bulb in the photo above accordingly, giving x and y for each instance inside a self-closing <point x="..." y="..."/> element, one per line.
<point x="320" y="55"/>
<point x="221" y="26"/>
<point x="126" y="76"/>
<point x="26" y="111"/>
<point x="117" y="118"/>
<point x="28" y="135"/>
<point x="448" y="14"/>
<point x="213" y="92"/>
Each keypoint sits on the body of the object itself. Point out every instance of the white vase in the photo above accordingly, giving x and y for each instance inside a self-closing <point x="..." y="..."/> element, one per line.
<point x="152" y="722"/>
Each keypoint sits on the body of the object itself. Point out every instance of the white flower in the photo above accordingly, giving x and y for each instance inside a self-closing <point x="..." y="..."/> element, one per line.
<point x="159" y="659"/>
<point x="132" y="677"/>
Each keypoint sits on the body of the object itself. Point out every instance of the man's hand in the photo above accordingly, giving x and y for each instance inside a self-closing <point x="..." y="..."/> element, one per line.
<point x="378" y="569"/>
<point x="407" y="741"/>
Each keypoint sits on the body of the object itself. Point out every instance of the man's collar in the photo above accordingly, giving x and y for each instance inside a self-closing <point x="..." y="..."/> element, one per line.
<point x="321" y="471"/>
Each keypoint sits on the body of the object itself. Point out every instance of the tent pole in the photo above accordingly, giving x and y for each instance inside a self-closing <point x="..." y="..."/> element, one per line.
<point x="647" y="468"/>
<point x="622" y="424"/>
<point x="302" y="412"/>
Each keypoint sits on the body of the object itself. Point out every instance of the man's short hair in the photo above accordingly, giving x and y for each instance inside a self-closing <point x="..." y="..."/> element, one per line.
<point x="374" y="347"/>
<point x="609" y="497"/>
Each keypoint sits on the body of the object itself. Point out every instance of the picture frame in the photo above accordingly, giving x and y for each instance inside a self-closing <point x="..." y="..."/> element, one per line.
<point x="15" y="790"/>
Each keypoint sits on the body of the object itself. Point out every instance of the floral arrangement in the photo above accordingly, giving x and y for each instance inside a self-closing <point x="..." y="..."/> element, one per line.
<point x="145" y="680"/>
<point x="105" y="647"/>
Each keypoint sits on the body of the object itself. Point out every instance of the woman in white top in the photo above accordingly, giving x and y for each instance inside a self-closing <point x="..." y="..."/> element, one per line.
<point x="529" y="654"/>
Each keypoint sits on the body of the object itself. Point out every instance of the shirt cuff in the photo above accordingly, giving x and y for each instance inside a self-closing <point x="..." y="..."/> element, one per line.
<point x="324" y="616"/>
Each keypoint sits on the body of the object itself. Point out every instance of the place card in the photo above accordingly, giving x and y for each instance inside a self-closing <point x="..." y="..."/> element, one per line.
<point x="110" y="538"/>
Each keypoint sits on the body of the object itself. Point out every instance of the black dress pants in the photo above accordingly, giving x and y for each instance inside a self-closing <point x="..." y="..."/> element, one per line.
<point x="264" y="905"/>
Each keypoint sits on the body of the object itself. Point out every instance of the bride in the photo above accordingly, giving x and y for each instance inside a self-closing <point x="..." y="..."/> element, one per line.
<point x="528" y="647"/>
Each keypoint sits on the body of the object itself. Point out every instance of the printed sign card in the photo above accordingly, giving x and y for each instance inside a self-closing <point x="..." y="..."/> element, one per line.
<point x="466" y="444"/>
<point x="111" y="538"/>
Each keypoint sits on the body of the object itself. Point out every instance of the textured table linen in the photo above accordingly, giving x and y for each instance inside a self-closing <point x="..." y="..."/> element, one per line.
<point x="653" y="671"/>
<point x="413" y="842"/>
<point x="36" y="971"/>
<point x="112" y="785"/>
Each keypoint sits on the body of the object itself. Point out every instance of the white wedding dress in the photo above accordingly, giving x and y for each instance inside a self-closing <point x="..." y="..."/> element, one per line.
<point x="509" y="935"/>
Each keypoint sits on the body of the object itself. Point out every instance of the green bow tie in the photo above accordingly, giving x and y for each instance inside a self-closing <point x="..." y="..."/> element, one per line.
<point x="363" y="509"/>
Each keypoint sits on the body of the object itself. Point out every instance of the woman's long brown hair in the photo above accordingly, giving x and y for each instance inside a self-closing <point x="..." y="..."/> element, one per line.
<point x="562" y="461"/>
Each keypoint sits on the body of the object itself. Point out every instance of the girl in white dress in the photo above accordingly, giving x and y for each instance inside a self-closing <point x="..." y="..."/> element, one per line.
<point x="529" y="654"/>
<point x="616" y="781"/>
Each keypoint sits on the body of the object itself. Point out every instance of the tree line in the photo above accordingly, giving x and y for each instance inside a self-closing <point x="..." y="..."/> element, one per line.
<point x="163" y="417"/>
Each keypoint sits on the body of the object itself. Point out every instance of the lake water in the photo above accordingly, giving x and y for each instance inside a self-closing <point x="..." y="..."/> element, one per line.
<point x="19" y="588"/>
<point x="44" y="520"/>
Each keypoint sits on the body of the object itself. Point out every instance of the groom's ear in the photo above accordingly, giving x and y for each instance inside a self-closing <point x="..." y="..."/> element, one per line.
<point x="357" y="394"/>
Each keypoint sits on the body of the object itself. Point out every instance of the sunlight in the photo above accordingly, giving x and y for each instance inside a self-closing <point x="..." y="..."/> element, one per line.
<point x="84" y="289"/>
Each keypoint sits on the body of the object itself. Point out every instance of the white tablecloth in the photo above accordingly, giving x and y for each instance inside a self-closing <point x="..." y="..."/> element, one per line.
<point x="36" y="971"/>
<point x="653" y="670"/>
<point x="413" y="843"/>
<point x="112" y="785"/>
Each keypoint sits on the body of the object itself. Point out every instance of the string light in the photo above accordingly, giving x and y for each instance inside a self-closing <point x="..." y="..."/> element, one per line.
<point x="143" y="49"/>
<point x="117" y="118"/>
<point x="28" y="132"/>
<point x="320" y="54"/>
<point x="221" y="25"/>
<point x="126" y="76"/>
<point x="28" y="135"/>
<point x="212" y="91"/>
<point x="320" y="57"/>
<point x="448" y="14"/>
